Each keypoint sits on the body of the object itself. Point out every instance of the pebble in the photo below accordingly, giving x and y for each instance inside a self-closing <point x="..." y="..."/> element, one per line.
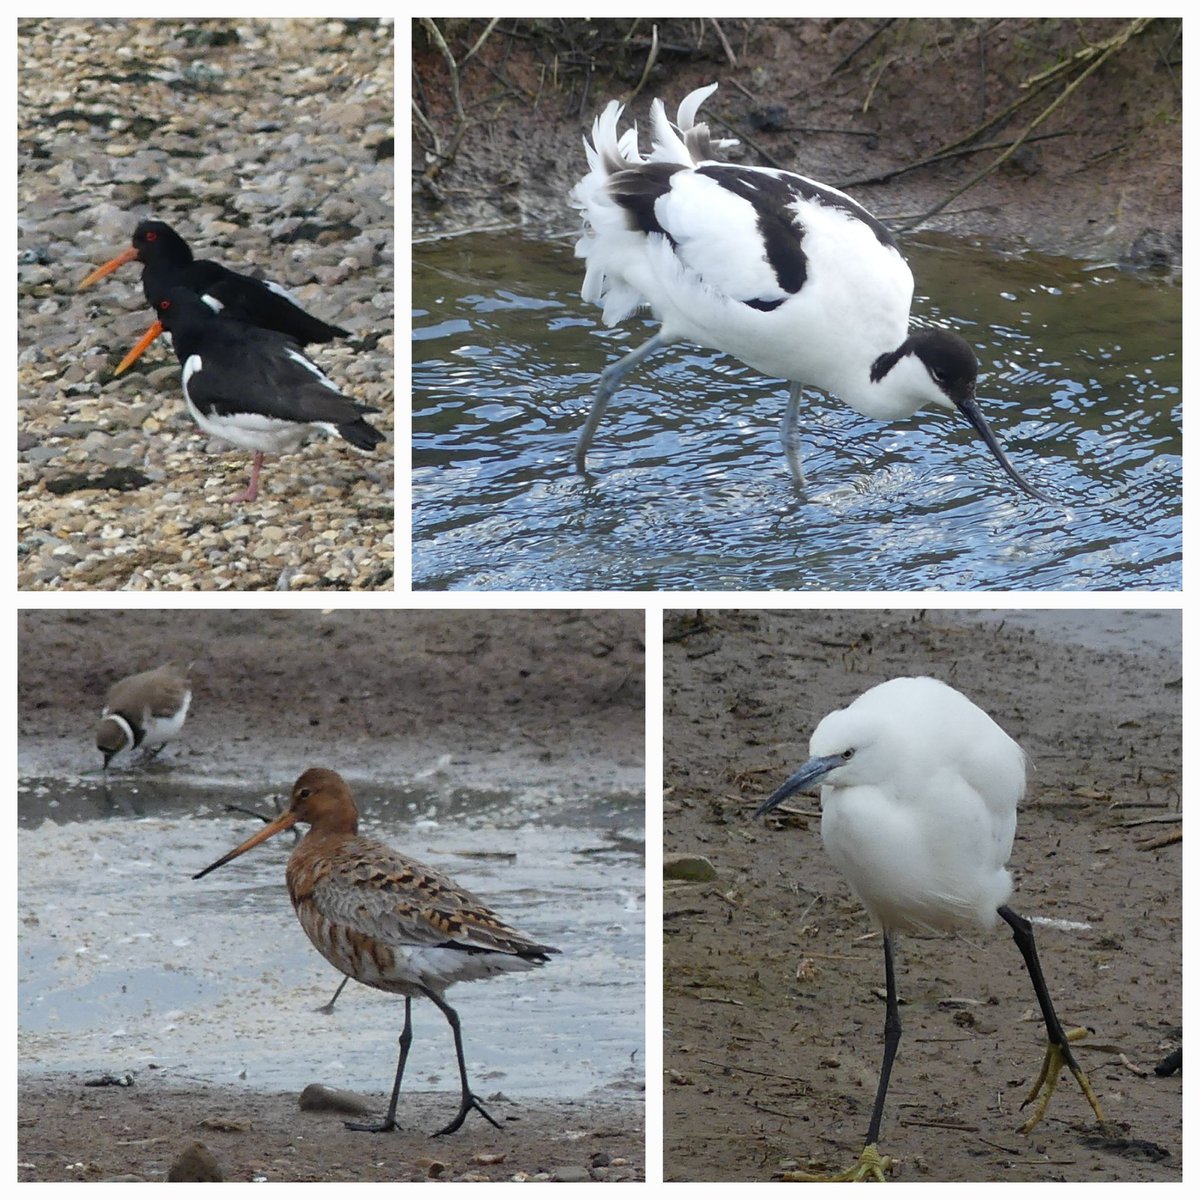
<point x="694" y="868"/>
<point x="196" y="1164"/>
<point x="241" y="159"/>
<point x="317" y="1097"/>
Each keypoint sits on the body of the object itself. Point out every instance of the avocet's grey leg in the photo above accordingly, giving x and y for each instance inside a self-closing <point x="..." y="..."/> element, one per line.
<point x="790" y="436"/>
<point x="610" y="379"/>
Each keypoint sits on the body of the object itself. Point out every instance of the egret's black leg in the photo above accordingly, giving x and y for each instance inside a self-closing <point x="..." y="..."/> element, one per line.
<point x="1058" y="1054"/>
<point x="389" y="1122"/>
<point x="891" y="1042"/>
<point x="469" y="1100"/>
<point x="610" y="379"/>
<point x="871" y="1164"/>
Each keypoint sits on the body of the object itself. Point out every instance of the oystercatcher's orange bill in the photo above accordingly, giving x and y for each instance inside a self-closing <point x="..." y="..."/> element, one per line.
<point x="143" y="344"/>
<point x="109" y="267"/>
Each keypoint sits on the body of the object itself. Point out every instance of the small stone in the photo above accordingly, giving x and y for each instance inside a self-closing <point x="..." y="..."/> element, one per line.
<point x="572" y="1175"/>
<point x="319" y="1098"/>
<point x="692" y="868"/>
<point x="196" y="1164"/>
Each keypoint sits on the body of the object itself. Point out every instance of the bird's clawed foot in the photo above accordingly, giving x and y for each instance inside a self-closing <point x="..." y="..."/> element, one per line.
<point x="1056" y="1058"/>
<point x="385" y="1126"/>
<point x="469" y="1102"/>
<point x="869" y="1169"/>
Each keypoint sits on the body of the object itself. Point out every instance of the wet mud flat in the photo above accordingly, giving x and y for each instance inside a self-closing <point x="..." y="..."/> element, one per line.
<point x="773" y="976"/>
<point x="68" y="1131"/>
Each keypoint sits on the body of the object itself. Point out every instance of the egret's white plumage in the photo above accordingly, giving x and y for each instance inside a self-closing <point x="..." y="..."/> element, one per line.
<point x="921" y="818"/>
<point x="786" y="273"/>
<point x="919" y="795"/>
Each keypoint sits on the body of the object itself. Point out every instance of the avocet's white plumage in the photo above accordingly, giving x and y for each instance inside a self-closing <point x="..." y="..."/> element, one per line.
<point x="919" y="795"/>
<point x="790" y="275"/>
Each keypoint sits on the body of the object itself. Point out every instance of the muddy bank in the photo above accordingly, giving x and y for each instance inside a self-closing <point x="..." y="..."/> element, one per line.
<point x="772" y="975"/>
<point x="67" y="1131"/>
<point x="271" y="689"/>
<point x="853" y="102"/>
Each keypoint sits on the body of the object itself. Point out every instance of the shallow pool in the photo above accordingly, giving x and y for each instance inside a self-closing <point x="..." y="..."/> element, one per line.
<point x="1081" y="381"/>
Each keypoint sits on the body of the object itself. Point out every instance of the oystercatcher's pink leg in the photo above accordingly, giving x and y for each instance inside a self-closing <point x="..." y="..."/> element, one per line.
<point x="251" y="493"/>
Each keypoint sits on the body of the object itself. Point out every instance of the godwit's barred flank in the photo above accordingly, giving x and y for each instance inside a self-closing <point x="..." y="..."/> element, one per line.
<point x="919" y="794"/>
<point x="167" y="262"/>
<point x="387" y="920"/>
<point x="144" y="710"/>
<point x="253" y="387"/>
<point x="790" y="275"/>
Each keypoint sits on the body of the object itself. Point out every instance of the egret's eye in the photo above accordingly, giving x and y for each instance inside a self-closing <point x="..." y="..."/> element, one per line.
<point x="847" y="754"/>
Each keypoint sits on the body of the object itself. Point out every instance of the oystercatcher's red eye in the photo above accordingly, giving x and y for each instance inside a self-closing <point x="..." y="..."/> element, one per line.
<point x="163" y="305"/>
<point x="151" y="236"/>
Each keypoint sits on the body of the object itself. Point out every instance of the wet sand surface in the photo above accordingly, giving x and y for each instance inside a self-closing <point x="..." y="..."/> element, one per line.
<point x="548" y="702"/>
<point x="773" y="976"/>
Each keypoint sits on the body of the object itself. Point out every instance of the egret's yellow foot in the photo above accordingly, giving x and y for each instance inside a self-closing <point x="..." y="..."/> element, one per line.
<point x="1047" y="1081"/>
<point x="869" y="1169"/>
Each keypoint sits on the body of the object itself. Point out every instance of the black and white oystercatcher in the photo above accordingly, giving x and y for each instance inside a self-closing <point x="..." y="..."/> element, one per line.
<point x="167" y="262"/>
<point x="253" y="387"/>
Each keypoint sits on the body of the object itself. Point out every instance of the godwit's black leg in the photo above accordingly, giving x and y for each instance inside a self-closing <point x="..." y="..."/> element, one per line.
<point x="469" y="1099"/>
<point x="389" y="1122"/>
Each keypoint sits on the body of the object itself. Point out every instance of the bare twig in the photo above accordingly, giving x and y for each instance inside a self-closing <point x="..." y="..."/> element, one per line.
<point x="1167" y="839"/>
<point x="442" y="158"/>
<point x="845" y="62"/>
<point x="729" y="54"/>
<point x="479" y="41"/>
<point x="940" y="156"/>
<point x="650" y="59"/>
<point x="1114" y="44"/>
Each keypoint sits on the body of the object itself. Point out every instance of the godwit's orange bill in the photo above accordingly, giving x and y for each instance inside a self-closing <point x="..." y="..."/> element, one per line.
<point x="388" y="921"/>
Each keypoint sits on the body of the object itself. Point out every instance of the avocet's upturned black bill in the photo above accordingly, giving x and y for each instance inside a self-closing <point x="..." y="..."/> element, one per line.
<point x="790" y="275"/>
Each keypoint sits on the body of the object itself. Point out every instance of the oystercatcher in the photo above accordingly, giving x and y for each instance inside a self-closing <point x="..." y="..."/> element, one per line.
<point x="790" y="275"/>
<point x="143" y="710"/>
<point x="253" y="387"/>
<point x="168" y="262"/>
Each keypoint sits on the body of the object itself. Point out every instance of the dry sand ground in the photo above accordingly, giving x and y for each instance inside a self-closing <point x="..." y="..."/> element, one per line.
<point x="773" y="1020"/>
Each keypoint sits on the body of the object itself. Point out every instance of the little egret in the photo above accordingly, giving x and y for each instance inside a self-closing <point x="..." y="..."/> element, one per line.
<point x="919" y="793"/>
<point x="790" y="275"/>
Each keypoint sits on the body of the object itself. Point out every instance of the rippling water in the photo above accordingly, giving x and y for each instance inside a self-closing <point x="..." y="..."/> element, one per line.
<point x="1081" y="380"/>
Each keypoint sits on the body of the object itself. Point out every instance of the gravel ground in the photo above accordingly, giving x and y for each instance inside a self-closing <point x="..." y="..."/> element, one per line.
<point x="268" y="145"/>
